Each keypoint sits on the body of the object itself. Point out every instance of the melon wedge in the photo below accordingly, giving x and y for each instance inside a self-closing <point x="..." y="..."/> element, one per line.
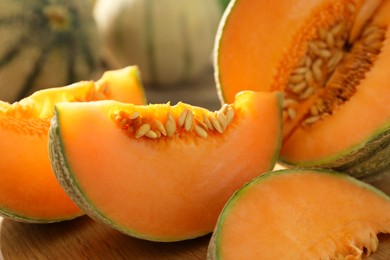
<point x="162" y="172"/>
<point x="301" y="214"/>
<point x="29" y="191"/>
<point x="330" y="58"/>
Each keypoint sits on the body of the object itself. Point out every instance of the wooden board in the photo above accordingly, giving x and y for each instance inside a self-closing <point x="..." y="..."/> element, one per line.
<point x="84" y="238"/>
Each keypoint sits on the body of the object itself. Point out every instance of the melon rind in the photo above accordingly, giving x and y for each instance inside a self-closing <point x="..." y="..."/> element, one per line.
<point x="214" y="246"/>
<point x="365" y="160"/>
<point x="27" y="219"/>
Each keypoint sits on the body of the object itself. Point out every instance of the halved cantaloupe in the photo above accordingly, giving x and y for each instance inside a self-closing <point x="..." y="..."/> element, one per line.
<point x="162" y="172"/>
<point x="29" y="191"/>
<point x="301" y="214"/>
<point x="330" y="57"/>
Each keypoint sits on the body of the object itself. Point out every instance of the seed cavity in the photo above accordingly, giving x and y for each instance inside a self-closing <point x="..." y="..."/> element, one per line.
<point x="201" y="124"/>
<point x="330" y="68"/>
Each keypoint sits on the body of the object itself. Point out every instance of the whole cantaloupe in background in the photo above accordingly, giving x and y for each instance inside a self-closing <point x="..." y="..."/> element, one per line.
<point x="45" y="44"/>
<point x="170" y="40"/>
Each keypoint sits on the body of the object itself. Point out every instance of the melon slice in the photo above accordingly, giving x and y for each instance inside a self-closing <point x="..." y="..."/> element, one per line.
<point x="29" y="191"/>
<point x="330" y="58"/>
<point x="301" y="214"/>
<point x="162" y="172"/>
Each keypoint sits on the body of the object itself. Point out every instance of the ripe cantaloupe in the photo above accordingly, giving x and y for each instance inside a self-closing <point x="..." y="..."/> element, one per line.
<point x="301" y="214"/>
<point x="162" y="172"/>
<point x="330" y="58"/>
<point x="29" y="191"/>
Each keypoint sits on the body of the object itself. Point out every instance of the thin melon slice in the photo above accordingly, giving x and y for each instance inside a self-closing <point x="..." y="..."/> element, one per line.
<point x="29" y="191"/>
<point x="330" y="58"/>
<point x="301" y="214"/>
<point x="162" y="172"/>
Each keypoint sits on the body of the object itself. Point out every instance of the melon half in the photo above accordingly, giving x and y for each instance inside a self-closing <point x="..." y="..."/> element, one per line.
<point x="301" y="214"/>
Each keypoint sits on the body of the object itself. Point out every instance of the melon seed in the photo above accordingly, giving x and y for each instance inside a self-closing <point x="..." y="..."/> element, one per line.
<point x="170" y="125"/>
<point x="229" y="115"/>
<point x="291" y="113"/>
<point x="142" y="130"/>
<point x="216" y="124"/>
<point x="160" y="127"/>
<point x="182" y="118"/>
<point x="200" y="131"/>
<point x="207" y="122"/>
<point x="221" y="119"/>
<point x="151" y="134"/>
<point x="134" y="115"/>
<point x="188" y="122"/>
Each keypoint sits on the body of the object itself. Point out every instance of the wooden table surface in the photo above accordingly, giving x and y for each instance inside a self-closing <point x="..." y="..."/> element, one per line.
<point x="83" y="238"/>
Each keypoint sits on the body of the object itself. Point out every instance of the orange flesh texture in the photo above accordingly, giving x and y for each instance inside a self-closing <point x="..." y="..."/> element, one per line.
<point x="302" y="215"/>
<point x="126" y="80"/>
<point x="365" y="113"/>
<point x="28" y="187"/>
<point x="169" y="188"/>
<point x="246" y="56"/>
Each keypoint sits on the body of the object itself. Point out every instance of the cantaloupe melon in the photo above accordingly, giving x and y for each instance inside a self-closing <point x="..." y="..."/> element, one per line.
<point x="330" y="58"/>
<point x="171" y="40"/>
<point x="301" y="214"/>
<point x="46" y="44"/>
<point x="29" y="191"/>
<point x="162" y="172"/>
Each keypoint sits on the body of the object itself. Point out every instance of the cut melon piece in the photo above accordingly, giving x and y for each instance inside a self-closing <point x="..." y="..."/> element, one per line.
<point x="301" y="214"/>
<point x="162" y="172"/>
<point x="29" y="191"/>
<point x="330" y="58"/>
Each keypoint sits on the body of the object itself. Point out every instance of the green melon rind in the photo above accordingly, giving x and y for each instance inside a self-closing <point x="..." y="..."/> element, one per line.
<point x="275" y="158"/>
<point x="65" y="177"/>
<point x="32" y="220"/>
<point x="214" y="246"/>
<point x="363" y="160"/>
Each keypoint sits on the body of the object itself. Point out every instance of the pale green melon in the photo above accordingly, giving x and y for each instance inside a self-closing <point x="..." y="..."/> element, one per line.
<point x="170" y="40"/>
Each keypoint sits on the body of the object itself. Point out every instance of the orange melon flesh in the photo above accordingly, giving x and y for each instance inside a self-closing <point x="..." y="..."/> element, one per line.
<point x="367" y="111"/>
<point x="301" y="214"/>
<point x="248" y="60"/>
<point x="164" y="189"/>
<point x="29" y="190"/>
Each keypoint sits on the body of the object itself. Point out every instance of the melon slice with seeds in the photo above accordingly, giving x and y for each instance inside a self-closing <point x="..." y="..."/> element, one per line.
<point x="331" y="62"/>
<point x="162" y="172"/>
<point x="29" y="191"/>
<point x="301" y="214"/>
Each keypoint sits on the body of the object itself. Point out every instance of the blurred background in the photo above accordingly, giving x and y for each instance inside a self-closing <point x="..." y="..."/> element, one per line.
<point x="55" y="43"/>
